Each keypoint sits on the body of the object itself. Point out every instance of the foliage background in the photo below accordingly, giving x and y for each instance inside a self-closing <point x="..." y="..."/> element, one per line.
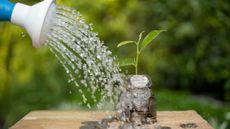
<point x="189" y="64"/>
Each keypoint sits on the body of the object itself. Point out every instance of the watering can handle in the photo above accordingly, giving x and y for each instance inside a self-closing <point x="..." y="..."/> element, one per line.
<point x="6" y="9"/>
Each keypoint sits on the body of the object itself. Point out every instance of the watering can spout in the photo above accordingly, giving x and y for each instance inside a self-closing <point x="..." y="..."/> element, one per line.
<point x="36" y="19"/>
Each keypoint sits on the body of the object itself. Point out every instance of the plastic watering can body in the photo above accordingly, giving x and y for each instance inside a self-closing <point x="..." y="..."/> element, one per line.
<point x="6" y="9"/>
<point x="35" y="19"/>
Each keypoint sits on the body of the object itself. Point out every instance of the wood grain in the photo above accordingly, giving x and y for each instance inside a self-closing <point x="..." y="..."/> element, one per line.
<point x="83" y="119"/>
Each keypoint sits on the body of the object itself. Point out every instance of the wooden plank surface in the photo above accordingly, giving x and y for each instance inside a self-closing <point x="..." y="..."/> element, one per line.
<point x="83" y="119"/>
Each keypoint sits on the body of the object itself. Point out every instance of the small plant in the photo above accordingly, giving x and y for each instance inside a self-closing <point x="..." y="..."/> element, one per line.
<point x="141" y="43"/>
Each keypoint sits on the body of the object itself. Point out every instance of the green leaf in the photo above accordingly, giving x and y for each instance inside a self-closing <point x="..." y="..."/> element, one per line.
<point x="125" y="43"/>
<point x="127" y="62"/>
<point x="150" y="37"/>
<point x="140" y="36"/>
<point x="139" y="40"/>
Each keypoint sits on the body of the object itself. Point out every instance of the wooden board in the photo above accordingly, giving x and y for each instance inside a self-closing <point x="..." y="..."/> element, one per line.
<point x="83" y="119"/>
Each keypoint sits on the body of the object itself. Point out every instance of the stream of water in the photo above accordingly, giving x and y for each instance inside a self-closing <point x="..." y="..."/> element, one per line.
<point x="86" y="60"/>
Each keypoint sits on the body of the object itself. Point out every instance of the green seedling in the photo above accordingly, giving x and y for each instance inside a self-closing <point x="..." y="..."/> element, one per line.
<point x="141" y="44"/>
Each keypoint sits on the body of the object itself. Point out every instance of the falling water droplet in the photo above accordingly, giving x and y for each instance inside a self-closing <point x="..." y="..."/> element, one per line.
<point x="23" y="34"/>
<point x="88" y="63"/>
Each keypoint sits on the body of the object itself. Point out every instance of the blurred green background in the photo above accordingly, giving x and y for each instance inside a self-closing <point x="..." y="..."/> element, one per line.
<point x="189" y="64"/>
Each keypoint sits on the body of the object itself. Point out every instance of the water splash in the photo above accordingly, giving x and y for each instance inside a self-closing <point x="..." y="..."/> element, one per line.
<point x="86" y="60"/>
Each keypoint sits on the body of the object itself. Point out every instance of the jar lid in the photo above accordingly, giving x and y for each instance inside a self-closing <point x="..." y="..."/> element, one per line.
<point x="139" y="81"/>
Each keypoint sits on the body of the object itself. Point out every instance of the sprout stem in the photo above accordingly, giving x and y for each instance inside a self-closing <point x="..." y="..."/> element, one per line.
<point x="137" y="58"/>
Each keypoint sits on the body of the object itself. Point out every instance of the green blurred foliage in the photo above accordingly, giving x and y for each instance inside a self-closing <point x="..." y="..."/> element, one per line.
<point x="194" y="54"/>
<point x="29" y="78"/>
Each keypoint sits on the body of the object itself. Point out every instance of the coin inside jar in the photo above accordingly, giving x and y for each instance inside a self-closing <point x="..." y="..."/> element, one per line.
<point x="143" y="93"/>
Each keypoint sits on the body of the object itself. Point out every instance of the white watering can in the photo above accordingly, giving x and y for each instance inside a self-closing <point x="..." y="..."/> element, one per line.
<point x="36" y="19"/>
